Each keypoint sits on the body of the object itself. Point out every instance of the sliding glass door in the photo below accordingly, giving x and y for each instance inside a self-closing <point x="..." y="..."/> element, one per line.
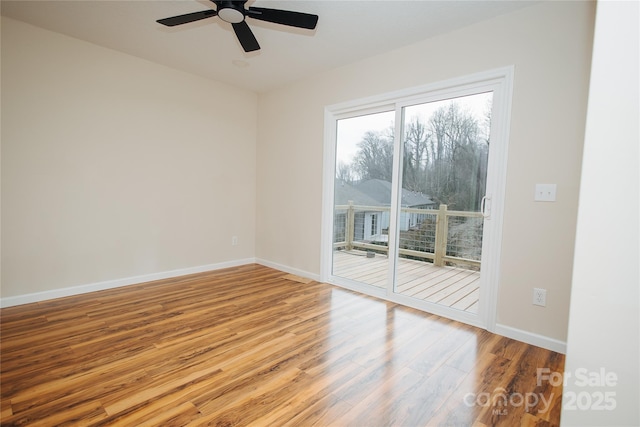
<point x="414" y="183"/>
<point x="362" y="199"/>
<point x="445" y="150"/>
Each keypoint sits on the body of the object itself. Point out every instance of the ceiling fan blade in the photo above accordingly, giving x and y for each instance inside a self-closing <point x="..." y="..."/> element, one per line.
<point x="189" y="17"/>
<point x="284" y="17"/>
<point x="246" y="37"/>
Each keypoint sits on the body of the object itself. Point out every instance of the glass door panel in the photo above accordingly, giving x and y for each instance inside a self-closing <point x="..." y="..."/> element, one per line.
<point x="440" y="224"/>
<point x="362" y="199"/>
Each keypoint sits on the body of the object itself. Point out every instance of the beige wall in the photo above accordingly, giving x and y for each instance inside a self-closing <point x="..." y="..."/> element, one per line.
<point x="550" y="46"/>
<point x="114" y="167"/>
<point x="604" y="325"/>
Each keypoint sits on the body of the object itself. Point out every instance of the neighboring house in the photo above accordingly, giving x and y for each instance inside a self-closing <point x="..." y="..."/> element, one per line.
<point x="371" y="224"/>
<point x="367" y="222"/>
<point x="380" y="190"/>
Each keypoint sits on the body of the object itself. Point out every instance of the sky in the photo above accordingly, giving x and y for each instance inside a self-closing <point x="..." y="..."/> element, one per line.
<point x="351" y="131"/>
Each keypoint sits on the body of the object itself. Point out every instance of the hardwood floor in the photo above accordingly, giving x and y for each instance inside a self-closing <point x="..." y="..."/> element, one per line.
<point x="254" y="346"/>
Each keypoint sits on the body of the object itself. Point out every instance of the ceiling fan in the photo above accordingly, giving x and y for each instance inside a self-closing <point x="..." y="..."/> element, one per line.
<point x="235" y="13"/>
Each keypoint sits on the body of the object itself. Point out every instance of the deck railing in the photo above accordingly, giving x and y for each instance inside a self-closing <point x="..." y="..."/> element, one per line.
<point x="438" y="235"/>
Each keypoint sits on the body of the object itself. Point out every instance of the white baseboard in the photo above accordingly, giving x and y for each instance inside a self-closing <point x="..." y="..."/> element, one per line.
<point x="531" y="338"/>
<point x="288" y="269"/>
<point x="110" y="284"/>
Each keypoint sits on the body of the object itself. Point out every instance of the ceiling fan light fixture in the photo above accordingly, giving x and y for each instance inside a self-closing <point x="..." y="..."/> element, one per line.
<point x="231" y="15"/>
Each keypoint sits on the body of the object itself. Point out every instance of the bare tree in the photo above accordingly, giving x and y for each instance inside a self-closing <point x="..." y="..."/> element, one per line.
<point x="456" y="145"/>
<point x="416" y="156"/>
<point x="444" y="156"/>
<point x="345" y="173"/>
<point x="374" y="159"/>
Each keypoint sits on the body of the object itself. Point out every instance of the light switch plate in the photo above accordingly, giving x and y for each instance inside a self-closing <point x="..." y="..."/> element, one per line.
<point x="545" y="193"/>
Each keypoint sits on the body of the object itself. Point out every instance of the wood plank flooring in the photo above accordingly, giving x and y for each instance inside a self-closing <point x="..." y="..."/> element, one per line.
<point x="254" y="346"/>
<point x="453" y="287"/>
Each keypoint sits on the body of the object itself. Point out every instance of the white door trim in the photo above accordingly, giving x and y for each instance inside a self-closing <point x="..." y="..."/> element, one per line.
<point x="500" y="81"/>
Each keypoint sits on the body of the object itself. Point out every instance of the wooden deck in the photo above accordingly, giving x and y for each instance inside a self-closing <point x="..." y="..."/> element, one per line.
<point x="457" y="288"/>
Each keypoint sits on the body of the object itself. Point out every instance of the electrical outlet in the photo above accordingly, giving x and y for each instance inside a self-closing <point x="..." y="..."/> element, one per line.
<point x="545" y="193"/>
<point x="234" y="241"/>
<point x="540" y="297"/>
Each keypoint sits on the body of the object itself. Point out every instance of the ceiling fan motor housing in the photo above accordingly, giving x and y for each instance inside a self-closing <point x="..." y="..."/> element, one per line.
<point x="231" y="11"/>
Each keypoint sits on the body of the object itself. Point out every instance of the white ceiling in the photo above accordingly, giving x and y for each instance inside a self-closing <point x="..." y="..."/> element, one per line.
<point x="348" y="30"/>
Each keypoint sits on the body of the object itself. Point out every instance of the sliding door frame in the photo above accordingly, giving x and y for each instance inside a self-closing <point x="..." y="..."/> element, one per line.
<point x="500" y="82"/>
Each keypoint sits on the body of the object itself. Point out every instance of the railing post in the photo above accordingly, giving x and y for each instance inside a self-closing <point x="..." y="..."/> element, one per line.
<point x="441" y="236"/>
<point x="350" y="226"/>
